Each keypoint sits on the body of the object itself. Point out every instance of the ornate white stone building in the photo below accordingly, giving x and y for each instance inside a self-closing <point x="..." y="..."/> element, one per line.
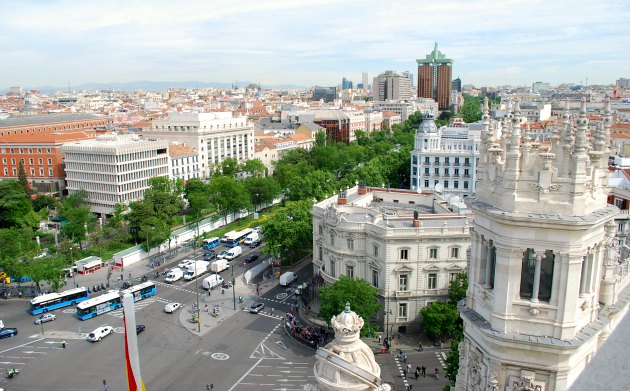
<point x="409" y="245"/>
<point x="546" y="286"/>
<point x="445" y="159"/>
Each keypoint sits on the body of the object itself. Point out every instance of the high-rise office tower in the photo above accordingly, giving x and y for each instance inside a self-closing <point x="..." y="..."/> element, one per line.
<point x="364" y="79"/>
<point x="391" y="86"/>
<point x="434" y="78"/>
<point x="346" y="84"/>
<point x="457" y="85"/>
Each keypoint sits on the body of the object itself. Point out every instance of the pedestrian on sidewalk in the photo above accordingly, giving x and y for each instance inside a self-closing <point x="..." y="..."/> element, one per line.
<point x="417" y="373"/>
<point x="206" y="307"/>
<point x="272" y="311"/>
<point x="424" y="371"/>
<point x="405" y="370"/>
<point x="130" y="275"/>
<point x="63" y="344"/>
<point x="105" y="386"/>
<point x="379" y="339"/>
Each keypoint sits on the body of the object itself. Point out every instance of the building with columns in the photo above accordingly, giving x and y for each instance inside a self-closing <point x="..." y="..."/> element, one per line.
<point x="216" y="136"/>
<point x="407" y="244"/>
<point x="546" y="285"/>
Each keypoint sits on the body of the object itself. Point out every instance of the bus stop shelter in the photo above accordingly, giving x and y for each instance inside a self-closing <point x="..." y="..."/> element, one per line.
<point x="89" y="265"/>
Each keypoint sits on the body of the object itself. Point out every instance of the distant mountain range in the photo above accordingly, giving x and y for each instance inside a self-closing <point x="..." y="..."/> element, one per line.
<point x="146" y="85"/>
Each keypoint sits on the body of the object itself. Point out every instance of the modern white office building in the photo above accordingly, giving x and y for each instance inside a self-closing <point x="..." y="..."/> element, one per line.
<point x="391" y="86"/>
<point x="183" y="162"/>
<point x="445" y="159"/>
<point x="407" y="244"/>
<point x="216" y="136"/>
<point x="114" y="168"/>
<point x="546" y="285"/>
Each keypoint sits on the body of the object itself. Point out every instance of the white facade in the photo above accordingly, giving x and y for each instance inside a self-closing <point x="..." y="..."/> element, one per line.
<point x="114" y="168"/>
<point x="546" y="286"/>
<point x="445" y="159"/>
<point x="216" y="136"/>
<point x="183" y="162"/>
<point x="391" y="86"/>
<point x="408" y="245"/>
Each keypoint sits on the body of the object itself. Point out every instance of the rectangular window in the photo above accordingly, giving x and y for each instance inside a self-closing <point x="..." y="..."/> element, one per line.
<point x="402" y="282"/>
<point x="452" y="277"/>
<point x="402" y="310"/>
<point x="332" y="268"/>
<point x="456" y="184"/>
<point x="456" y="171"/>
<point x="426" y="184"/>
<point x="321" y="253"/>
<point x="433" y="253"/>
<point x="437" y="171"/>
<point x="404" y="254"/>
<point x="619" y="203"/>
<point x="455" y="252"/>
<point x="375" y="278"/>
<point x="465" y="184"/>
<point x="447" y="160"/>
<point x="446" y="171"/>
<point x="375" y="250"/>
<point x="437" y="159"/>
<point x="350" y="244"/>
<point x="332" y="239"/>
<point x="40" y="161"/>
<point x="321" y="229"/>
<point x="466" y="172"/>
<point x="30" y="161"/>
<point x="426" y="171"/>
<point x="446" y="184"/>
<point x="50" y="172"/>
<point x="49" y="161"/>
<point x="427" y="160"/>
<point x="350" y="271"/>
<point x="41" y="172"/>
<point x="432" y="281"/>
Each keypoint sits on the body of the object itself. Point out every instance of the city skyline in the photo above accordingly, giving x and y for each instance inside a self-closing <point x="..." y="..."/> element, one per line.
<point x="307" y="43"/>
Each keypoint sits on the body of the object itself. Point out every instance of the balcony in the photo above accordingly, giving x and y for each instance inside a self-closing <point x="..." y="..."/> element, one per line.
<point x="406" y="293"/>
<point x="456" y="164"/>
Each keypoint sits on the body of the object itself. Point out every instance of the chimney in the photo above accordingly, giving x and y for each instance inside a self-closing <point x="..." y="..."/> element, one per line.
<point x="343" y="198"/>
<point x="416" y="221"/>
<point x="362" y="188"/>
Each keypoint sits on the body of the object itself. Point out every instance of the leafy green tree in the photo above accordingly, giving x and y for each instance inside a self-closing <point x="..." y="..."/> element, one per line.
<point x="362" y="296"/>
<point x="294" y="163"/>
<point x="262" y="190"/>
<point x="316" y="184"/>
<point x="49" y="269"/>
<point x="116" y="228"/>
<point x="76" y="211"/>
<point x="289" y="230"/>
<point x="471" y="110"/>
<point x="228" y="195"/>
<point x="139" y="212"/>
<point x="165" y="195"/>
<point x="254" y="167"/>
<point x="16" y="209"/>
<point x="457" y="289"/>
<point x="452" y="361"/>
<point x="16" y="244"/>
<point x="154" y="231"/>
<point x="320" y="138"/>
<point x="23" y="179"/>
<point x="440" y="319"/>
<point x="44" y="201"/>
<point x="228" y="168"/>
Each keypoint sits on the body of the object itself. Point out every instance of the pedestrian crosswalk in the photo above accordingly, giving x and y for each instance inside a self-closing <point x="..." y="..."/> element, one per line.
<point x="176" y="287"/>
<point x="137" y="306"/>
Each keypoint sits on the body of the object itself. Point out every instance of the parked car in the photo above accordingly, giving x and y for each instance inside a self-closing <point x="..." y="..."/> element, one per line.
<point x="100" y="333"/>
<point x="251" y="258"/>
<point x="185" y="263"/>
<point x="172" y="307"/>
<point x="45" y="318"/>
<point x="256" y="307"/>
<point x="209" y="256"/>
<point x="222" y="254"/>
<point x="8" y="332"/>
<point x="140" y="328"/>
<point x="227" y="284"/>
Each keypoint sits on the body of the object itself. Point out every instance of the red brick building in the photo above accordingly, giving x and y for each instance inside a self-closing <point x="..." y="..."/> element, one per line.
<point x="435" y="78"/>
<point x="36" y="140"/>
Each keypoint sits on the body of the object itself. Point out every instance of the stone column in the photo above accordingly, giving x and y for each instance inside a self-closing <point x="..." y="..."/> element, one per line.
<point x="583" y="276"/>
<point x="539" y="257"/>
<point x="488" y="271"/>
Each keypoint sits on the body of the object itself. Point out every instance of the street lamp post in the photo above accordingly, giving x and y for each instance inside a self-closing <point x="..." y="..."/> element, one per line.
<point x="196" y="282"/>
<point x="74" y="279"/>
<point x="233" y="287"/>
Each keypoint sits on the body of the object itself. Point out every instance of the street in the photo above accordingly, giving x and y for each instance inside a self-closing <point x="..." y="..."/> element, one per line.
<point x="241" y="351"/>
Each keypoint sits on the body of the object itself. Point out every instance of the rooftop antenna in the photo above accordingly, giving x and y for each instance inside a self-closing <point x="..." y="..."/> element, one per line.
<point x="68" y="86"/>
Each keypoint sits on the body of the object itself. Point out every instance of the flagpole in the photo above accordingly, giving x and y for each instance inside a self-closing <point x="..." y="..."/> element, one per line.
<point x="132" y="356"/>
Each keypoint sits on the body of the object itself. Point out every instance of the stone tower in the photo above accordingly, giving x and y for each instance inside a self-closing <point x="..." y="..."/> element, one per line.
<point x="542" y="278"/>
<point x="347" y="363"/>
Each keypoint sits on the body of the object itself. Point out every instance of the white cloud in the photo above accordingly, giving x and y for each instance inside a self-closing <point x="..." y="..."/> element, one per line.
<point x="312" y="41"/>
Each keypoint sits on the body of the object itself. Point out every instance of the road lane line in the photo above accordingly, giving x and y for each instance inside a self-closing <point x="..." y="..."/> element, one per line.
<point x="245" y="375"/>
<point x="19" y="346"/>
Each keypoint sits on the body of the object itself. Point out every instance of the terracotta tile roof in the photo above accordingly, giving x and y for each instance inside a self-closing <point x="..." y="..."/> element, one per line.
<point x="620" y="135"/>
<point x="620" y="126"/>
<point x="299" y="137"/>
<point x="177" y="150"/>
<point x="390" y="114"/>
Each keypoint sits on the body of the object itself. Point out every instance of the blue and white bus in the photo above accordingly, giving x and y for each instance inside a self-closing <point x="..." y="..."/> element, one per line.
<point x="52" y="301"/>
<point x="238" y="237"/>
<point x="211" y="243"/>
<point x="111" y="300"/>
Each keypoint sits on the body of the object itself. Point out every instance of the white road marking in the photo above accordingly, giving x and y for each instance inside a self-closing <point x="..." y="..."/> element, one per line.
<point x="245" y="374"/>
<point x="24" y="344"/>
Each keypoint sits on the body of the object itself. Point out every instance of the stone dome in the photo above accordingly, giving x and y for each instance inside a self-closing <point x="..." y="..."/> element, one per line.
<point x="428" y="124"/>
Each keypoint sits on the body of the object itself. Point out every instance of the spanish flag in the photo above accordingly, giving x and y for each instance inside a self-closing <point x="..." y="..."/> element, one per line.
<point x="132" y="357"/>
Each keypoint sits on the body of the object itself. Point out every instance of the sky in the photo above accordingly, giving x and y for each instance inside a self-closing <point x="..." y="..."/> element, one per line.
<point x="306" y="43"/>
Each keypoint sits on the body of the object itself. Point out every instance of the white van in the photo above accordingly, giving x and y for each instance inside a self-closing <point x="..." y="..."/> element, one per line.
<point x="233" y="253"/>
<point x="288" y="278"/>
<point x="212" y="281"/>
<point x="254" y="236"/>
<point x="174" y="275"/>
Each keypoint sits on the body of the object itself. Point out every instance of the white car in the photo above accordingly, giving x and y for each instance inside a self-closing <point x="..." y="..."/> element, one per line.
<point x="99" y="333"/>
<point x="172" y="307"/>
<point x="222" y="254"/>
<point x="185" y="263"/>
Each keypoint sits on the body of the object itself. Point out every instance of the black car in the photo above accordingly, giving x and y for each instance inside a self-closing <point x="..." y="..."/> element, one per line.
<point x="255" y="244"/>
<point x="209" y="256"/>
<point x="8" y="332"/>
<point x="140" y="328"/>
<point x="251" y="258"/>
<point x="126" y="285"/>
